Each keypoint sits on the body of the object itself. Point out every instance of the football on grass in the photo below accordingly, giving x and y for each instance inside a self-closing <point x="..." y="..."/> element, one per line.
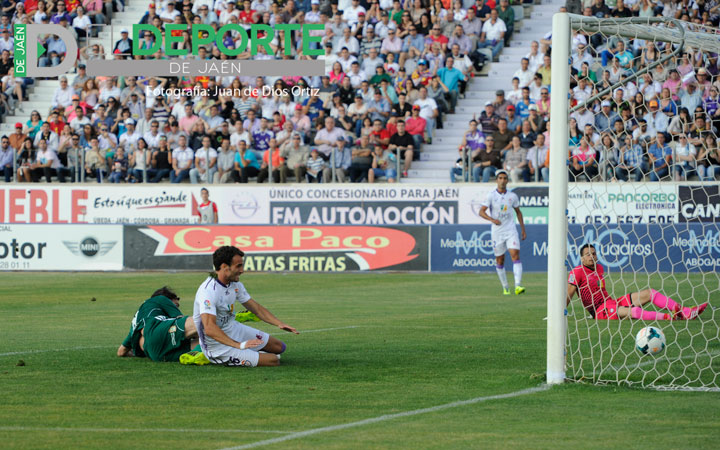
<point x="650" y="341"/>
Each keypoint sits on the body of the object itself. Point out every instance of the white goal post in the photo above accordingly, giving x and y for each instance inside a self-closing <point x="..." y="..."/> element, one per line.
<point x="678" y="36"/>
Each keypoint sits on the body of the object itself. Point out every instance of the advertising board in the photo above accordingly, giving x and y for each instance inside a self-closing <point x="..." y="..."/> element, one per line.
<point x="61" y="247"/>
<point x="279" y="248"/>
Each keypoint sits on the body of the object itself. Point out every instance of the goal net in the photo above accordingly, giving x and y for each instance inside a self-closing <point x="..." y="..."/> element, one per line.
<point x="635" y="170"/>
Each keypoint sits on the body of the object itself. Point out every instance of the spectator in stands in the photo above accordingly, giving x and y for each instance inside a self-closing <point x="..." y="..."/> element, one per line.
<point x="383" y="165"/>
<point x="605" y="119"/>
<point x="685" y="159"/>
<point x="225" y="162"/>
<point x="515" y="123"/>
<point x="326" y="139"/>
<point x="182" y="161"/>
<point x="402" y="143"/>
<point x="416" y="126"/>
<point x="119" y="167"/>
<point x="537" y="158"/>
<point x="341" y="162"/>
<point x="690" y="97"/>
<point x="246" y="163"/>
<point x="515" y="160"/>
<point x="63" y="94"/>
<point x="315" y="166"/>
<point x="95" y="162"/>
<point x="708" y="166"/>
<point x="526" y="136"/>
<point x="205" y="162"/>
<point x="361" y="160"/>
<point x="450" y="78"/>
<point x="488" y="119"/>
<point x="160" y="161"/>
<point x="279" y="169"/>
<point x="507" y="15"/>
<point x="660" y="158"/>
<point x="137" y="162"/>
<point x="296" y="155"/>
<point x="428" y="110"/>
<point x="630" y="160"/>
<point x="524" y="74"/>
<point x="493" y="34"/>
<point x="609" y="152"/>
<point x="502" y="136"/>
<point x="7" y="154"/>
<point x="489" y="161"/>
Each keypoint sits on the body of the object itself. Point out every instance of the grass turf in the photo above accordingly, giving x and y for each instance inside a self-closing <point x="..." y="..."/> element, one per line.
<point x="417" y="341"/>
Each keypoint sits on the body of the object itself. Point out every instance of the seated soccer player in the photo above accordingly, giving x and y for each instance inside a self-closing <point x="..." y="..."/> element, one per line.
<point x="222" y="338"/>
<point x="589" y="279"/>
<point x="159" y="330"/>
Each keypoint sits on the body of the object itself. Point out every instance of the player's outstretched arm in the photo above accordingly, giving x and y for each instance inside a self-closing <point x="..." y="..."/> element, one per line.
<point x="571" y="290"/>
<point x="267" y="317"/>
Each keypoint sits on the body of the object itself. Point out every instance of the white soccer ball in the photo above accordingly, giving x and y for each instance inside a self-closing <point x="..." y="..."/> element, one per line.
<point x="650" y="341"/>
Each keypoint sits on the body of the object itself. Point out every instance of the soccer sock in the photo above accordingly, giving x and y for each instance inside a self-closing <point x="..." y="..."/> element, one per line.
<point x="283" y="348"/>
<point x="501" y="274"/>
<point x="661" y="301"/>
<point x="639" y="313"/>
<point x="517" y="271"/>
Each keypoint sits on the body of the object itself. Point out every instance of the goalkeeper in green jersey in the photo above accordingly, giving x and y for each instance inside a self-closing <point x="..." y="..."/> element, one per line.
<point x="159" y="330"/>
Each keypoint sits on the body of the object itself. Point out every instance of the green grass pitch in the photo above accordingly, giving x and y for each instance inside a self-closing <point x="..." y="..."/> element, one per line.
<point x="370" y="345"/>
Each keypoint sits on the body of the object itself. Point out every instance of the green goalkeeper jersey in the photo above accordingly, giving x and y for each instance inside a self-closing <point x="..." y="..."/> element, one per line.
<point x="159" y="307"/>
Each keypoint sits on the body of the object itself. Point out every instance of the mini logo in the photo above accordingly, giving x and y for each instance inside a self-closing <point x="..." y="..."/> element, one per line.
<point x="259" y="336"/>
<point x="89" y="247"/>
<point x="571" y="278"/>
<point x="207" y="304"/>
<point x="172" y="329"/>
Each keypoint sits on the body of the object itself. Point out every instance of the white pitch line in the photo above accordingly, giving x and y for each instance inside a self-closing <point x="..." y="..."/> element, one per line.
<point x="385" y="417"/>
<point x="329" y="329"/>
<point x="136" y="430"/>
<point x="28" y="352"/>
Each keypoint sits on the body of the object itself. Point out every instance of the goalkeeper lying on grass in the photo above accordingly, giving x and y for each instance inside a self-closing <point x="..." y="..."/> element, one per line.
<point x="161" y="332"/>
<point x="588" y="278"/>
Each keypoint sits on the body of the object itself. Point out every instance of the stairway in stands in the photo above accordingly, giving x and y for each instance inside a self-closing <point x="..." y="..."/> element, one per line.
<point x="41" y="93"/>
<point x="437" y="158"/>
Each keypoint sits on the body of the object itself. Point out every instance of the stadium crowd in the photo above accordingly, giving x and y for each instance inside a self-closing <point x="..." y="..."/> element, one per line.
<point x="662" y="125"/>
<point x="394" y="68"/>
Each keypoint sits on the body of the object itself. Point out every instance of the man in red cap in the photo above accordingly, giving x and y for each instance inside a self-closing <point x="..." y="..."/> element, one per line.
<point x="415" y="125"/>
<point x="17" y="138"/>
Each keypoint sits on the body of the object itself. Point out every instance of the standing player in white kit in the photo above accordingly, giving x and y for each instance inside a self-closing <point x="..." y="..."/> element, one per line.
<point x="496" y="208"/>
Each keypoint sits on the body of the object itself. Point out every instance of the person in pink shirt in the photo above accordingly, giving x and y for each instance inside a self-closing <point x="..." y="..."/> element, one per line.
<point x="588" y="280"/>
<point x="415" y="126"/>
<point x="188" y="121"/>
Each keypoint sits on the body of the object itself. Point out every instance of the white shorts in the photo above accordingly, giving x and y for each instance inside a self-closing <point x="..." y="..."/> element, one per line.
<point x="504" y="241"/>
<point x="230" y="356"/>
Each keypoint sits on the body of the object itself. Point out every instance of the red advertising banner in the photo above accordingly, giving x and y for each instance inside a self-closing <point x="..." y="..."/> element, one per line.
<point x="279" y="248"/>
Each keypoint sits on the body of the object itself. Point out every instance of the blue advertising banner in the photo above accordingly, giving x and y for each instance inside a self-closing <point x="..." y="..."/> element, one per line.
<point x="692" y="247"/>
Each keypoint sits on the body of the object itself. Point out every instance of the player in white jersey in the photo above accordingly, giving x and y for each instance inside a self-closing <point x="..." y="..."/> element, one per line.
<point x="223" y="340"/>
<point x="497" y="208"/>
<point x="207" y="210"/>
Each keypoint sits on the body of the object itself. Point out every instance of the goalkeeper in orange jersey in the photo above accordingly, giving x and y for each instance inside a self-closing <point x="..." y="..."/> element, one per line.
<point x="588" y="278"/>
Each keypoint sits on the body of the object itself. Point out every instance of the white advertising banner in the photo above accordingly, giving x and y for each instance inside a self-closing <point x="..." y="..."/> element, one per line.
<point x="61" y="247"/>
<point x="470" y="201"/>
<point x="125" y="204"/>
<point x="623" y="203"/>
